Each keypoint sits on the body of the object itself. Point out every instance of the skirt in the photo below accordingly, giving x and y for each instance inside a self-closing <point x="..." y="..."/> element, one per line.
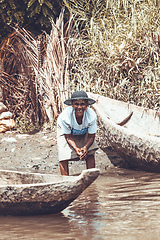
<point x="66" y="152"/>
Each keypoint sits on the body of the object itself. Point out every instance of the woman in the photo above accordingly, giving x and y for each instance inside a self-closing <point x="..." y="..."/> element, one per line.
<point x="76" y="128"/>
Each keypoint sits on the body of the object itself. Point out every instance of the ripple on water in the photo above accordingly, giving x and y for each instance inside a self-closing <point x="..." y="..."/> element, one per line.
<point x="122" y="204"/>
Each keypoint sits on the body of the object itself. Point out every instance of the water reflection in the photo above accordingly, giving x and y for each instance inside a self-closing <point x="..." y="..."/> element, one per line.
<point x="122" y="204"/>
<point x="126" y="206"/>
<point x="36" y="227"/>
<point x="84" y="213"/>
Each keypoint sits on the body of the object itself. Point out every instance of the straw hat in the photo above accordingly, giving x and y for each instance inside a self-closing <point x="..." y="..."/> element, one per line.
<point x="79" y="95"/>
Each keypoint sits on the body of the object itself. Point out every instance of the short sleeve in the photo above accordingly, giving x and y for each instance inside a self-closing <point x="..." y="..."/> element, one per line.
<point x="65" y="128"/>
<point x="92" y="128"/>
<point x="63" y="122"/>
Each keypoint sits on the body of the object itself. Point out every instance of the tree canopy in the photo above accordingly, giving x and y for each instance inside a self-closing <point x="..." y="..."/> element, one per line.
<point x="34" y="15"/>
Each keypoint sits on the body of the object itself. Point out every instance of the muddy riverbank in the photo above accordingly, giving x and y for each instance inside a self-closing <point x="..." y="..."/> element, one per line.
<point x="38" y="153"/>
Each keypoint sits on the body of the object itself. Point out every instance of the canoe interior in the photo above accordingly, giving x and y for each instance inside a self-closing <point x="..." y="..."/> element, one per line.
<point x="34" y="193"/>
<point x="137" y="141"/>
<point x="143" y="121"/>
<point x="19" y="178"/>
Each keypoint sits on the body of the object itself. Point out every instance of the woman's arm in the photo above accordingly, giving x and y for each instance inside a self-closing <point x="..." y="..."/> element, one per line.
<point x="72" y="143"/>
<point x="81" y="152"/>
<point x="89" y="142"/>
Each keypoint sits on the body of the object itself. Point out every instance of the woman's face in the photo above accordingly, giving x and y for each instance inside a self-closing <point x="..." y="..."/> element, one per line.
<point x="79" y="106"/>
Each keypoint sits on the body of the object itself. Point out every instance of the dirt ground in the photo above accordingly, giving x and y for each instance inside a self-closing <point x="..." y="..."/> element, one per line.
<point x="38" y="153"/>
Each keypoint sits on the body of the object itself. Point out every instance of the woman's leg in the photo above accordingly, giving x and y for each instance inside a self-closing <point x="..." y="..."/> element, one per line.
<point x="90" y="161"/>
<point x="64" y="167"/>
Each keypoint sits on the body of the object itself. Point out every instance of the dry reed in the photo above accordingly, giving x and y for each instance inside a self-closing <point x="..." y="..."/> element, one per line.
<point x="34" y="73"/>
<point x="112" y="49"/>
<point x="116" y="52"/>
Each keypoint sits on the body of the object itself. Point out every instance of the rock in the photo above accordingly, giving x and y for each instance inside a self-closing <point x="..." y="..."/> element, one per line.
<point x="5" y="115"/>
<point x="11" y="140"/>
<point x="22" y="136"/>
<point x="3" y="108"/>
<point x="6" y="124"/>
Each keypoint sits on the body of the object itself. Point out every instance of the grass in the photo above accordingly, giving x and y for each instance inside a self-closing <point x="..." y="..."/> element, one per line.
<point x="110" y="47"/>
<point x="116" y="49"/>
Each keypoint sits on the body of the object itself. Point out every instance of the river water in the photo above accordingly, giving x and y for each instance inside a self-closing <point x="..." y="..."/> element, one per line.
<point x="120" y="204"/>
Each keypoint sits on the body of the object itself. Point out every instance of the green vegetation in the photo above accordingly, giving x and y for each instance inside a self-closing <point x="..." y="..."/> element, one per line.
<point x="24" y="126"/>
<point x="34" y="15"/>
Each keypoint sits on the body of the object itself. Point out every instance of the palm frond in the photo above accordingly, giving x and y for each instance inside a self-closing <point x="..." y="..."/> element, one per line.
<point x="41" y="67"/>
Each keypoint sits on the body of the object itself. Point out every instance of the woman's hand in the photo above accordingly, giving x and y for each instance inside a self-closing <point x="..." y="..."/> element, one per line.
<point x="78" y="151"/>
<point x="81" y="152"/>
<point x="84" y="151"/>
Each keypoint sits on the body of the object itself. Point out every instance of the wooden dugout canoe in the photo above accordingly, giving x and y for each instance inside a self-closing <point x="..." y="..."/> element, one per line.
<point x="132" y="131"/>
<point x="34" y="193"/>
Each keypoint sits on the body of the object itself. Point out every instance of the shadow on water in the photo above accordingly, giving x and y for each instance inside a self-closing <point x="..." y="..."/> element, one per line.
<point x="121" y="204"/>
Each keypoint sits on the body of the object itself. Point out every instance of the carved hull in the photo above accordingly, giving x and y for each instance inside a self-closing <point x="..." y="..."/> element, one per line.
<point x="138" y="140"/>
<point x="34" y="193"/>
